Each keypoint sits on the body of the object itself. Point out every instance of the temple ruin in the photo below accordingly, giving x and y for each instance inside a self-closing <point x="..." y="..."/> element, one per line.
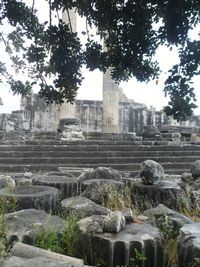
<point x="125" y="191"/>
<point x="115" y="114"/>
<point x="120" y="116"/>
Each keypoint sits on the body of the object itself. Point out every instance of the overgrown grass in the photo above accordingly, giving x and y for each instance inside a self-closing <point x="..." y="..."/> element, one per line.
<point x="71" y="237"/>
<point x="170" y="234"/>
<point x="5" y="205"/>
<point x="50" y="240"/>
<point x="3" y="243"/>
<point x="73" y="242"/>
<point x="70" y="242"/>
<point x="116" y="201"/>
<point x="65" y="242"/>
<point x="189" y="205"/>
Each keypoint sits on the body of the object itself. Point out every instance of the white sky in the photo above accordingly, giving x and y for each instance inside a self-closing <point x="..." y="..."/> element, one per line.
<point x="91" y="89"/>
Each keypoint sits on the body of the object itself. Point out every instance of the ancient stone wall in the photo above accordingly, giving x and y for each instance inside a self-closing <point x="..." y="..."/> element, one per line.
<point x="41" y="117"/>
<point x="90" y="114"/>
<point x="193" y="121"/>
<point x="35" y="116"/>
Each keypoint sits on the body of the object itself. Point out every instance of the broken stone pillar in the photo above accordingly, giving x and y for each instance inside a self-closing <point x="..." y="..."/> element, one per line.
<point x="29" y="252"/>
<point x="70" y="130"/>
<point x="68" y="110"/>
<point x="110" y="122"/>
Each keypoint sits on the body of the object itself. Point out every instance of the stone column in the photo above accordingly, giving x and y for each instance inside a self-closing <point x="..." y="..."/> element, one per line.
<point x="110" y="121"/>
<point x="68" y="110"/>
<point x="72" y="19"/>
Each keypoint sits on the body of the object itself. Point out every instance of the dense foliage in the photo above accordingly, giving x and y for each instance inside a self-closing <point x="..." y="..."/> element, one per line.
<point x="53" y="55"/>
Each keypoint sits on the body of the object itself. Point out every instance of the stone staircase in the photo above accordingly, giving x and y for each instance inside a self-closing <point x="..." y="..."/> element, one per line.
<point x="43" y="153"/>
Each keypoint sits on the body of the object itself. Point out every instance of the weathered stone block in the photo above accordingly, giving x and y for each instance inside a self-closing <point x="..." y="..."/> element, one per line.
<point x="114" y="222"/>
<point x="167" y="193"/>
<point x="112" y="249"/>
<point x="26" y="225"/>
<point x="67" y="186"/>
<point x="195" y="169"/>
<point x="82" y="207"/>
<point x="38" y="197"/>
<point x="151" y="172"/>
<point x="101" y="191"/>
<point x="189" y="245"/>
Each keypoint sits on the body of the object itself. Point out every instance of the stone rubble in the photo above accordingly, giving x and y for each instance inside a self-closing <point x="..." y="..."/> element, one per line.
<point x="151" y="172"/>
<point x="102" y="190"/>
<point x="36" y="262"/>
<point x="115" y="232"/>
<point x="6" y="182"/>
<point x="101" y="173"/>
<point x="195" y="169"/>
<point x="162" y="215"/>
<point x="82" y="207"/>
<point x="189" y="245"/>
<point x="128" y="215"/>
<point x="26" y="225"/>
<point x="70" y="130"/>
<point x="114" y="222"/>
<point x="30" y="252"/>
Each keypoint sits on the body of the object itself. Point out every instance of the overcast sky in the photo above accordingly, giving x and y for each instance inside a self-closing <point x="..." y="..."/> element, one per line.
<point x="150" y="93"/>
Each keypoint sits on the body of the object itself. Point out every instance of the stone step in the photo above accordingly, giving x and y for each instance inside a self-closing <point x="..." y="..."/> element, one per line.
<point x="96" y="147"/>
<point x="90" y="153"/>
<point x="43" y="139"/>
<point x="14" y="168"/>
<point x="52" y="140"/>
<point x="133" y="168"/>
<point x="121" y="155"/>
<point x="47" y="134"/>
<point x="121" y="166"/>
<point x="130" y="166"/>
<point x="96" y="160"/>
<point x="104" y="142"/>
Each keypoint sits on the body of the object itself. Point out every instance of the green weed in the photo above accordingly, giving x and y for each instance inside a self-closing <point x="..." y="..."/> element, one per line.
<point x="48" y="239"/>
<point x="5" y="205"/>
<point x="136" y="260"/>
<point x="70" y="242"/>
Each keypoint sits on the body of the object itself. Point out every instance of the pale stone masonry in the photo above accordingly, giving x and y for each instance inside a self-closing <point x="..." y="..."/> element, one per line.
<point x="110" y="116"/>
<point x="36" y="116"/>
<point x="67" y="110"/>
<point x="115" y="114"/>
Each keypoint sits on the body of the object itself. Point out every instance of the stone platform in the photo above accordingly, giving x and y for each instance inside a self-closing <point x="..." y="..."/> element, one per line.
<point x="45" y="153"/>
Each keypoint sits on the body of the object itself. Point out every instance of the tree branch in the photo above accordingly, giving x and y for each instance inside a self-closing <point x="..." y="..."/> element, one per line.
<point x="6" y="45"/>
<point x="50" y="13"/>
<point x="33" y="4"/>
<point x="69" y="19"/>
<point x="58" y="14"/>
<point x="87" y="30"/>
<point x="32" y="10"/>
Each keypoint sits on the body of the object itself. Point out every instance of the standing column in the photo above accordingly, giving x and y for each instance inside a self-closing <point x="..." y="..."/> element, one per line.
<point x="72" y="18"/>
<point x="68" y="110"/>
<point x="110" y="122"/>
